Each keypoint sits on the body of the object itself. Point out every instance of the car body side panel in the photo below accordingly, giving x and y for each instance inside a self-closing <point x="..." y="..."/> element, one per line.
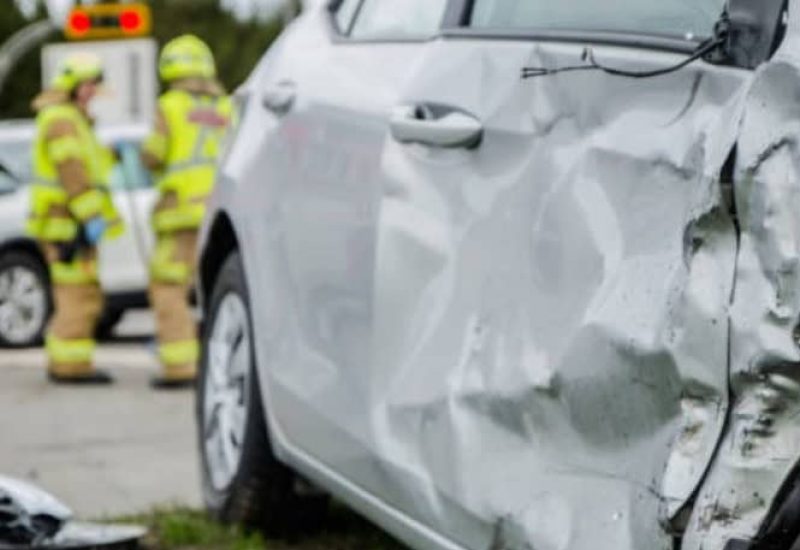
<point x="551" y="336"/>
<point x="551" y="314"/>
<point x="309" y="192"/>
<point x="268" y="218"/>
<point x="762" y="444"/>
<point x="509" y="296"/>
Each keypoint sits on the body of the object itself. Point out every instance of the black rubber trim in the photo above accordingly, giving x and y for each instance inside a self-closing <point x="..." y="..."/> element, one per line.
<point x="782" y="526"/>
<point x="457" y="13"/>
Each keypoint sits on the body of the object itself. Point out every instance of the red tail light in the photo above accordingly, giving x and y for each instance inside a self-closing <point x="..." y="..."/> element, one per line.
<point x="79" y="22"/>
<point x="130" y="21"/>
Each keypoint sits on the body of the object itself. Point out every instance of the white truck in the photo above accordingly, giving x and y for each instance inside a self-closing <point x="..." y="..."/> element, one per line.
<point x="25" y="298"/>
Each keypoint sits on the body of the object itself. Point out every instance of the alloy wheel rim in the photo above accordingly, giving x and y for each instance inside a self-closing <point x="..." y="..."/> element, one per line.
<point x="23" y="304"/>
<point x="227" y="390"/>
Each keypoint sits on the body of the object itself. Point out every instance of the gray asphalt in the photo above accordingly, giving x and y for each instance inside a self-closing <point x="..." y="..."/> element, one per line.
<point x="105" y="452"/>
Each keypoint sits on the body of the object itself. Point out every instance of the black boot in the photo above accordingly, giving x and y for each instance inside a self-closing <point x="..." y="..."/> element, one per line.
<point x="95" y="378"/>
<point x="162" y="382"/>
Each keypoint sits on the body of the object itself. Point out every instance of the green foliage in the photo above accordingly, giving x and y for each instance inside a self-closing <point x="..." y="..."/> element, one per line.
<point x="23" y="83"/>
<point x="237" y="45"/>
<point x="183" y="529"/>
<point x="187" y="529"/>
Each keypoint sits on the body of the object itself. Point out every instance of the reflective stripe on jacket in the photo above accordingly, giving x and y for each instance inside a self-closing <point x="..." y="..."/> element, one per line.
<point x="59" y="207"/>
<point x="195" y="126"/>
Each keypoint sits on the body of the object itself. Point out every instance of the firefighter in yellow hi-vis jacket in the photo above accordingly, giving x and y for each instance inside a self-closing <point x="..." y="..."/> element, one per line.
<point x="192" y="118"/>
<point x="71" y="211"/>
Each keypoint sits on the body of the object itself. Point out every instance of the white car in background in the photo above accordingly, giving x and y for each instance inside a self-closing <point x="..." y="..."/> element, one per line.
<point x="25" y="298"/>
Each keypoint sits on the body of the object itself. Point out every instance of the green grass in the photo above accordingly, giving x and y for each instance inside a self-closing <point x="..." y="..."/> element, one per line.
<point x="182" y="529"/>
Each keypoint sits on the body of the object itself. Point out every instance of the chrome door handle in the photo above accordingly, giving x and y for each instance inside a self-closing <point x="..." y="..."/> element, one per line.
<point x="436" y="126"/>
<point x="279" y="98"/>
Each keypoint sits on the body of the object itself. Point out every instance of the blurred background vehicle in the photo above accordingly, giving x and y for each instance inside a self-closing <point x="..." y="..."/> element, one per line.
<point x="31" y="43"/>
<point x="25" y="300"/>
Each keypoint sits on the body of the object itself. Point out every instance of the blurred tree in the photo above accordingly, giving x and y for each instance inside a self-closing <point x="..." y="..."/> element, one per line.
<point x="237" y="45"/>
<point x="23" y="83"/>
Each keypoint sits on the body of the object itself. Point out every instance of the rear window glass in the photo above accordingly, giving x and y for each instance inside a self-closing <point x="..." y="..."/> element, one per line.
<point x="684" y="18"/>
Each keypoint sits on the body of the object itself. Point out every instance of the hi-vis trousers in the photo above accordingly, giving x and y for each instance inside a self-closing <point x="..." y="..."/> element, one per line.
<point x="171" y="277"/>
<point x="78" y="304"/>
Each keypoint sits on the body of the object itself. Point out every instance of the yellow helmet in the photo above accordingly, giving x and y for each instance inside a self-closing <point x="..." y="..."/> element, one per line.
<point x="184" y="57"/>
<point x="77" y="68"/>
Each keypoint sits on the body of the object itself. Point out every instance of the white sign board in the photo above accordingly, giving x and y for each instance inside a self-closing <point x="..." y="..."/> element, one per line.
<point x="130" y="86"/>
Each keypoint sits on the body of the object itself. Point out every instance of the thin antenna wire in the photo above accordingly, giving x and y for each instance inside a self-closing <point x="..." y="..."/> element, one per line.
<point x="588" y="55"/>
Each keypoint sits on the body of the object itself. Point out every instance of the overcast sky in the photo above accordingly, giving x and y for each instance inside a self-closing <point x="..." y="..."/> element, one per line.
<point x="245" y="8"/>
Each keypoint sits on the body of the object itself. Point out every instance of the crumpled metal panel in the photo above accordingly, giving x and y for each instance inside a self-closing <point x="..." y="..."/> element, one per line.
<point x="528" y="346"/>
<point x="552" y="320"/>
<point x="32" y="518"/>
<point x="762" y="442"/>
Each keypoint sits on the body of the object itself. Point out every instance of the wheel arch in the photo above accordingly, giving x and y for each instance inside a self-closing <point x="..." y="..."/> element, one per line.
<point x="220" y="241"/>
<point x="219" y="244"/>
<point x="26" y="245"/>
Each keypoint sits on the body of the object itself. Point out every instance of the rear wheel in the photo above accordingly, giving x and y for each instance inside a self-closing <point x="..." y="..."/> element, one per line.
<point x="25" y="302"/>
<point x="243" y="482"/>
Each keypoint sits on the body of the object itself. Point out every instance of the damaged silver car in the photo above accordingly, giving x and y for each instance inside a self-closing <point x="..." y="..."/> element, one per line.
<point x="513" y="275"/>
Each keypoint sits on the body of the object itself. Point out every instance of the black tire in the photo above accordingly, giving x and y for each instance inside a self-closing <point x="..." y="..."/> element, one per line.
<point x="263" y="492"/>
<point x="21" y="261"/>
<point x="104" y="329"/>
<point x="781" y="530"/>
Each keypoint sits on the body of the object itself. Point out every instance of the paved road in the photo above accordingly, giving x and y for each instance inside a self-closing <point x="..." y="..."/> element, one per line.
<point x="104" y="451"/>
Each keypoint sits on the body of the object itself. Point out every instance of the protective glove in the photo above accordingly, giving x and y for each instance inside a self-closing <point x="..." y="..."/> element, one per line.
<point x="94" y="229"/>
<point x="118" y="148"/>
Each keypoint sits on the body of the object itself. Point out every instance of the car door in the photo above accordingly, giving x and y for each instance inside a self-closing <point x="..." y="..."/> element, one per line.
<point x="330" y="99"/>
<point x="553" y="267"/>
